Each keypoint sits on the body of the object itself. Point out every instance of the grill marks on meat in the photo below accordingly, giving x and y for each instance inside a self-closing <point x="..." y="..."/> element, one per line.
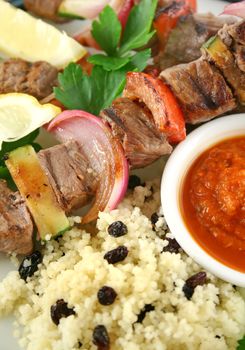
<point x="186" y="39"/>
<point x="226" y="62"/>
<point x="240" y="57"/>
<point x="201" y="90"/>
<point x="36" y="79"/>
<point x="15" y="222"/>
<point x="67" y="171"/>
<point x="232" y="64"/>
<point x="237" y="32"/>
<point x="44" y="8"/>
<point x="134" y="126"/>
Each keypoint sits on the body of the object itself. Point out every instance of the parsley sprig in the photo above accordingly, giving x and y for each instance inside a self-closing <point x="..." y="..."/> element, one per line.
<point x="241" y="343"/>
<point x="92" y="93"/>
<point x="107" y="31"/>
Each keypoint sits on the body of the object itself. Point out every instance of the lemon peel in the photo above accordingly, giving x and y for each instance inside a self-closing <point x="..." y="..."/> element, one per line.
<point x="20" y="114"/>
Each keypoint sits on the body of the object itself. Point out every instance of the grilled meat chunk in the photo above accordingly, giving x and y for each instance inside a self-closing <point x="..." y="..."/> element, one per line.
<point x="213" y="23"/>
<point x="186" y="39"/>
<point x="15" y="222"/>
<point x="68" y="173"/>
<point x="36" y="79"/>
<point x="240" y="57"/>
<point x="234" y="38"/>
<point x="201" y="90"/>
<point x="134" y="126"/>
<point x="220" y="54"/>
<point x="183" y="44"/>
<point x="161" y="102"/>
<point x="237" y="32"/>
<point x="44" y="8"/>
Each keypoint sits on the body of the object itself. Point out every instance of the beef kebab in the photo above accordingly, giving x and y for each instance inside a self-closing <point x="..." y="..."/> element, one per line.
<point x="203" y="89"/>
<point x="185" y="40"/>
<point x="36" y="79"/>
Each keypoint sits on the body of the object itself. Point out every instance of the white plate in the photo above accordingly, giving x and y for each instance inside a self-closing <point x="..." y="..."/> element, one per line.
<point x="7" y="342"/>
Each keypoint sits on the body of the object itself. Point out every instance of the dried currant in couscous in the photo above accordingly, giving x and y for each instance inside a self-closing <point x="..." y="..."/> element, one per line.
<point x="117" y="229"/>
<point x="29" y="265"/>
<point x="191" y="283"/>
<point x="154" y="220"/>
<point x="147" y="308"/>
<point x="101" y="337"/>
<point x="133" y="182"/>
<point x="116" y="255"/>
<point x="172" y="247"/>
<point x="106" y="295"/>
<point x="59" y="310"/>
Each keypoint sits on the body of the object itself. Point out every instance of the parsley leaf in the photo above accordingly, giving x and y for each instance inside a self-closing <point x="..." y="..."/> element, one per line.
<point x="109" y="63"/>
<point x="107" y="31"/>
<point x="139" y="61"/>
<point x="77" y="90"/>
<point x="91" y="93"/>
<point x="241" y="343"/>
<point x="138" y="28"/>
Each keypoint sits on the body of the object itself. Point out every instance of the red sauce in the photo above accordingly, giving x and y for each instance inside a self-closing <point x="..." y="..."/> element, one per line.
<point x="213" y="202"/>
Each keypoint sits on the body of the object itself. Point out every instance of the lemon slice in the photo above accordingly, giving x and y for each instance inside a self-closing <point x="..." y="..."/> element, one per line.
<point x="20" y="114"/>
<point x="31" y="39"/>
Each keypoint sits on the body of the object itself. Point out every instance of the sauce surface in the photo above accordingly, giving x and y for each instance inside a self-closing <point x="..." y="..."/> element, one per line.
<point x="213" y="202"/>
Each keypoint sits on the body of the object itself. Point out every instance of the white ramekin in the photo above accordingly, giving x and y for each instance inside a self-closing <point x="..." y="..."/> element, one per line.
<point x="176" y="168"/>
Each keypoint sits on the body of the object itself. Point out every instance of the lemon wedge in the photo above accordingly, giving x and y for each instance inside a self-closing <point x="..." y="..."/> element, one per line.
<point x="31" y="39"/>
<point x="20" y="114"/>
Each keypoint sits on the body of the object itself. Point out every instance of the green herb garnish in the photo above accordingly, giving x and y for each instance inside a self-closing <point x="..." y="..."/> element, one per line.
<point x="107" y="31"/>
<point x="118" y="47"/>
<point x="241" y="343"/>
<point x="92" y="93"/>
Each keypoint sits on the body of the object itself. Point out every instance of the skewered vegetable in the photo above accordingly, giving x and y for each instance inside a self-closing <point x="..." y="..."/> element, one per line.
<point x="160" y="101"/>
<point x="34" y="186"/>
<point x="104" y="152"/>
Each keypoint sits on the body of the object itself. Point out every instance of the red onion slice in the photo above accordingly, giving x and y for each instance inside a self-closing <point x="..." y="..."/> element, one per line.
<point x="237" y="9"/>
<point x="104" y="152"/>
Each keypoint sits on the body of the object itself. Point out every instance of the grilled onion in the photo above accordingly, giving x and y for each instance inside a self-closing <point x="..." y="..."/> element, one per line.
<point x="237" y="9"/>
<point x="103" y="151"/>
